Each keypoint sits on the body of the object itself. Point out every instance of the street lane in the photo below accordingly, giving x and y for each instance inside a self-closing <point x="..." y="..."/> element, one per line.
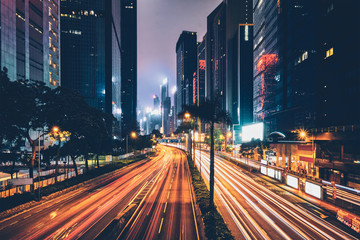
<point x="255" y="212"/>
<point x="167" y="212"/>
<point x="90" y="207"/>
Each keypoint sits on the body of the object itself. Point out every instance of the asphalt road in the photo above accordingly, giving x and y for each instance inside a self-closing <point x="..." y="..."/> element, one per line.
<point x="167" y="211"/>
<point x="253" y="211"/>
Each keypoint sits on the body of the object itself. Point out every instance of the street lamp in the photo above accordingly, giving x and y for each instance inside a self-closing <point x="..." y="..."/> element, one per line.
<point x="227" y="136"/>
<point x="133" y="135"/>
<point x="303" y="134"/>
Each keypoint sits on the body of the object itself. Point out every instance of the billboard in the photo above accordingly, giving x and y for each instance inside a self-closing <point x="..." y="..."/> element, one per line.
<point x="292" y="181"/>
<point x="313" y="189"/>
<point x="254" y="131"/>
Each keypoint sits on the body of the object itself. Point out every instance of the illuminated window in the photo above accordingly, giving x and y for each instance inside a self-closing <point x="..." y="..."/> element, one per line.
<point x="50" y="77"/>
<point x="49" y="26"/>
<point x="50" y="59"/>
<point x="329" y="52"/>
<point x="304" y="56"/>
<point x="49" y="11"/>
<point x="49" y="42"/>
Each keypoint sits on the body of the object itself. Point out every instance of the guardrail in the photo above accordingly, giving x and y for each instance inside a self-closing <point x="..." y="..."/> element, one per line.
<point x="43" y="183"/>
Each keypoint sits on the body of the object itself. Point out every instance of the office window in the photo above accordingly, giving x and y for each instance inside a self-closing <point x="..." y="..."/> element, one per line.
<point x="329" y="52"/>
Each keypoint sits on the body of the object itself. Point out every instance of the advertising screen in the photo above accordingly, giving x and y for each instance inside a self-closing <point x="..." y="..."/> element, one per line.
<point x="313" y="189"/>
<point x="254" y="131"/>
<point x="292" y="181"/>
<point x="263" y="170"/>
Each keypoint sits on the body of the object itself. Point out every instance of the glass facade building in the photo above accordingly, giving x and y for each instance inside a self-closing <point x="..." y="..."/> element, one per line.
<point x="239" y="64"/>
<point x="30" y="40"/>
<point x="215" y="55"/>
<point x="201" y="71"/>
<point x="91" y="52"/>
<point x="128" y="65"/>
<point x="186" y="64"/>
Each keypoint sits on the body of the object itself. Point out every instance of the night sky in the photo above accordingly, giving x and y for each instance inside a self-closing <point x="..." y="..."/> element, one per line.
<point x="160" y="23"/>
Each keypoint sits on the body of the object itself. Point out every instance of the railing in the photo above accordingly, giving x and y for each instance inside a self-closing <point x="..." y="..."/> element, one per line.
<point x="43" y="183"/>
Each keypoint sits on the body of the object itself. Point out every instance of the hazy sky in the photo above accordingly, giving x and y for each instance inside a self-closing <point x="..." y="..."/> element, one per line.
<point x="160" y="23"/>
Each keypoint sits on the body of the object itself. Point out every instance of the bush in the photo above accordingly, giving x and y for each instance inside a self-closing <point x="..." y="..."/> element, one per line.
<point x="215" y="227"/>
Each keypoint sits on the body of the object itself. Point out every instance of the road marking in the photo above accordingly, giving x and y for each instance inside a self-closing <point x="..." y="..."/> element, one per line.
<point x="13" y="223"/>
<point x="162" y="220"/>
<point x="168" y="195"/>
<point x="170" y="186"/>
<point x="165" y="207"/>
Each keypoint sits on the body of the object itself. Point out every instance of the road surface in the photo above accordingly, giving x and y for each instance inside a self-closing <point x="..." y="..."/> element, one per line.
<point x="167" y="212"/>
<point x="253" y="211"/>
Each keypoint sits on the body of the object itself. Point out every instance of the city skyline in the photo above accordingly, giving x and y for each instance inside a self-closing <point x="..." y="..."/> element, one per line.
<point x="156" y="40"/>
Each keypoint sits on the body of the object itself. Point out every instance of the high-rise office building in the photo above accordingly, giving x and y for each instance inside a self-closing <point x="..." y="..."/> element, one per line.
<point x="186" y="64"/>
<point x="128" y="65"/>
<point x="239" y="63"/>
<point x="339" y="64"/>
<point x="90" y="32"/>
<point x="216" y="55"/>
<point x="201" y="71"/>
<point x="30" y="40"/>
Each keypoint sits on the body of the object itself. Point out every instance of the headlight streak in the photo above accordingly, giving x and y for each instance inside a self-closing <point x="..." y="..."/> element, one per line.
<point x="281" y="203"/>
<point x="316" y="219"/>
<point x="249" y="201"/>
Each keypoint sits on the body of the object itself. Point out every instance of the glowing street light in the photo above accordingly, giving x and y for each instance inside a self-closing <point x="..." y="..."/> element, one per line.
<point x="187" y="115"/>
<point x="133" y="135"/>
<point x="55" y="129"/>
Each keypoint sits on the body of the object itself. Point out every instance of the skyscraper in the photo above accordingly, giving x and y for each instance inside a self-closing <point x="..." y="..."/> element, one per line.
<point x="30" y="40"/>
<point x="215" y="55"/>
<point x="186" y="64"/>
<point x="128" y="65"/>
<point x="165" y="107"/>
<point x="201" y="71"/>
<point x="239" y="63"/>
<point x="91" y="51"/>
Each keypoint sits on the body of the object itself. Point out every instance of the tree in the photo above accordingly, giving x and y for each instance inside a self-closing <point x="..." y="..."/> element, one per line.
<point x="209" y="112"/>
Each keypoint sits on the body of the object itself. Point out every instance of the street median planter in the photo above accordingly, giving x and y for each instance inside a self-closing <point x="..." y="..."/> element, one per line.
<point x="215" y="226"/>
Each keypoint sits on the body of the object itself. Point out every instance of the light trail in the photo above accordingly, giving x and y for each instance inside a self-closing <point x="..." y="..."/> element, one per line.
<point x="238" y="192"/>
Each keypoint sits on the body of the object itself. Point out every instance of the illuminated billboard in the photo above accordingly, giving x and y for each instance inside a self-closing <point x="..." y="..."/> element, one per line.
<point x="254" y="131"/>
<point x="313" y="189"/>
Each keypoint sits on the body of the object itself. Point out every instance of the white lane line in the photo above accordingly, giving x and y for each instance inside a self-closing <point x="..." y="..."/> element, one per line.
<point x="162" y="220"/>
<point x="168" y="195"/>
<point x="165" y="207"/>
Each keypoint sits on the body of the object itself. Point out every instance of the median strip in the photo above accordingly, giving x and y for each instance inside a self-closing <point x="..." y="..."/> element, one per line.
<point x="215" y="226"/>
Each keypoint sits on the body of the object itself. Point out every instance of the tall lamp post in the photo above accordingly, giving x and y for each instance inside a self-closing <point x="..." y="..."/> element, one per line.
<point x="191" y="144"/>
<point x="303" y="134"/>
<point x="133" y="135"/>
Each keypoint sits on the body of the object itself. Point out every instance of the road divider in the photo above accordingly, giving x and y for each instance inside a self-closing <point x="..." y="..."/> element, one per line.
<point x="215" y="226"/>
